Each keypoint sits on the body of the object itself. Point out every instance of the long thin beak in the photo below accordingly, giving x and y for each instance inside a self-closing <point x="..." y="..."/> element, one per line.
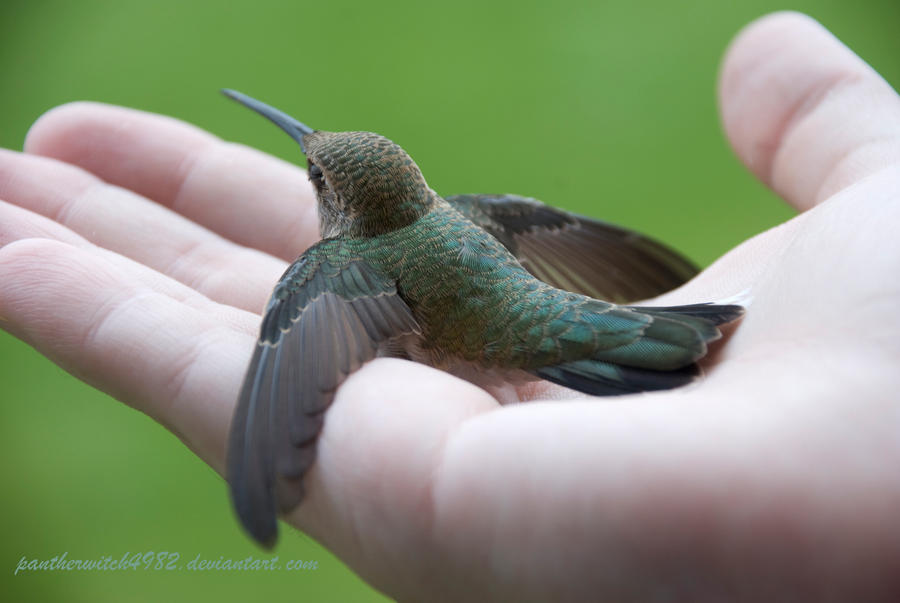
<point x="294" y="128"/>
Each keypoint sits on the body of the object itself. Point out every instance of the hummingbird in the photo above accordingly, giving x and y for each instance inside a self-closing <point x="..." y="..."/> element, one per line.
<point x="482" y="286"/>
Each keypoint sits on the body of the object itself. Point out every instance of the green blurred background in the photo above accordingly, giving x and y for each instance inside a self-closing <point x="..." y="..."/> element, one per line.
<point x="606" y="108"/>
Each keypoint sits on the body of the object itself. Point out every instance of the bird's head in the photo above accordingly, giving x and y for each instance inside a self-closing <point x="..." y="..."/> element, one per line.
<point x="366" y="185"/>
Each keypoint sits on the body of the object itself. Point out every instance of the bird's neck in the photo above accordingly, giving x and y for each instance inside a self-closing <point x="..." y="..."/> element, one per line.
<point x="379" y="219"/>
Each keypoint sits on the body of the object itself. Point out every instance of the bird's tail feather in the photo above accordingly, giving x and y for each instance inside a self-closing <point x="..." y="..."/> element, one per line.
<point x="714" y="313"/>
<point x="662" y="357"/>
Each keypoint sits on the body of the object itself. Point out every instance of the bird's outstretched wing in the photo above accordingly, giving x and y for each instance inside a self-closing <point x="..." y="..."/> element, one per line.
<point x="576" y="253"/>
<point x="326" y="317"/>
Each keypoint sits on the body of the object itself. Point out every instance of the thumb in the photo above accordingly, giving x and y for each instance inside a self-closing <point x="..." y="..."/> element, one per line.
<point x="803" y="112"/>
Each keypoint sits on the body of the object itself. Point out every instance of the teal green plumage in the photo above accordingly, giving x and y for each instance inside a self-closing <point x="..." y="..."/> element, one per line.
<point x="473" y="301"/>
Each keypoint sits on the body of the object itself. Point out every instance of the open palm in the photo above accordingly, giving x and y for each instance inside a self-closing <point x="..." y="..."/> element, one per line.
<point x="137" y="252"/>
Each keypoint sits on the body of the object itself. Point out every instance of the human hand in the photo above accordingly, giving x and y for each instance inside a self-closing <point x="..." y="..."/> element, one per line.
<point x="137" y="252"/>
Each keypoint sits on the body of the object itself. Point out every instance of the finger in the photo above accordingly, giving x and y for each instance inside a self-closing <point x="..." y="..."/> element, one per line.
<point x="244" y="195"/>
<point x="141" y="337"/>
<point x="805" y="114"/>
<point x="117" y="219"/>
<point x="17" y="223"/>
<point x="22" y="222"/>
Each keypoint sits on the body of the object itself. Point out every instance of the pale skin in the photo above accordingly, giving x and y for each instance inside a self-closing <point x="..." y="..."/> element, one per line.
<point x="137" y="252"/>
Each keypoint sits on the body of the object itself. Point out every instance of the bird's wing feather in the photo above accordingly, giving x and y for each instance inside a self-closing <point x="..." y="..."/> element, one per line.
<point x="326" y="317"/>
<point x="576" y="253"/>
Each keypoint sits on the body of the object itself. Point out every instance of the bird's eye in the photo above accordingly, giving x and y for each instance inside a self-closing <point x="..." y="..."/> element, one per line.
<point x="315" y="174"/>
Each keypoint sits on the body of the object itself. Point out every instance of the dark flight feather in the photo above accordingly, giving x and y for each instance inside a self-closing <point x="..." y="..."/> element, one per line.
<point x="598" y="378"/>
<point x="576" y="253"/>
<point x="323" y="321"/>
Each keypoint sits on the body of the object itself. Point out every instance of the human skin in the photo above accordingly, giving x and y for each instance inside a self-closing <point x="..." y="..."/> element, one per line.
<point x="774" y="478"/>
